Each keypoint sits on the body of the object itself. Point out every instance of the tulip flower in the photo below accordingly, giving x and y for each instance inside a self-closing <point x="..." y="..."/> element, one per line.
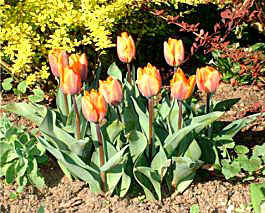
<point x="174" y="52"/>
<point x="208" y="79"/>
<point x="94" y="106"/>
<point x="149" y="83"/>
<point x="149" y="80"/>
<point x="58" y="59"/>
<point x="125" y="48"/>
<point x="181" y="87"/>
<point x="79" y="64"/>
<point x="70" y="81"/>
<point x="111" y="90"/>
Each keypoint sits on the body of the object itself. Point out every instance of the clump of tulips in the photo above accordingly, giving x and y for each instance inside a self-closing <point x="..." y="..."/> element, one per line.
<point x="119" y="133"/>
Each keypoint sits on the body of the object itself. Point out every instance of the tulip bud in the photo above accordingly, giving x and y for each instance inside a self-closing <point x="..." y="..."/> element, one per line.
<point x="125" y="48"/>
<point x="174" y="52"/>
<point x="94" y="106"/>
<point x="111" y="90"/>
<point x="149" y="80"/>
<point x="208" y="79"/>
<point x="79" y="64"/>
<point x="84" y="67"/>
<point x="58" y="59"/>
<point x="70" y="81"/>
<point x="181" y="87"/>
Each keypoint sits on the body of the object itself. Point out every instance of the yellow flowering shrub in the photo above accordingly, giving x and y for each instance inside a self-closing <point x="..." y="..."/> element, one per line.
<point x="30" y="28"/>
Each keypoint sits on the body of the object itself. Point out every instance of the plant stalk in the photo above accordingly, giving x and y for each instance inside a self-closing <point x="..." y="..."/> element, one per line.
<point x="101" y="155"/>
<point x="77" y="118"/>
<point x="129" y="73"/>
<point x="151" y="112"/>
<point x="66" y="105"/>
<point x="208" y="97"/>
<point x="180" y="114"/>
<point x="118" y="112"/>
<point x="208" y="102"/>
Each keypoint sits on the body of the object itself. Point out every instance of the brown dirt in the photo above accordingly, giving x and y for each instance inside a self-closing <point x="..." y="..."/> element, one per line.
<point x="211" y="193"/>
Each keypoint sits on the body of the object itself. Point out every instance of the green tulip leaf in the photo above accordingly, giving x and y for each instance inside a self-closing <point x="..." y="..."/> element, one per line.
<point x="115" y="72"/>
<point x="143" y="118"/>
<point x="173" y="116"/>
<point x="33" y="112"/>
<point x="206" y="120"/>
<point x="137" y="144"/>
<point x="184" y="167"/>
<point x="232" y="129"/>
<point x="225" y="105"/>
<point x="160" y="162"/>
<point x="153" y="178"/>
<point x="193" y="152"/>
<point x="60" y="102"/>
<point x="75" y="166"/>
<point x="115" y="160"/>
<point x="114" y="129"/>
<point x="125" y="184"/>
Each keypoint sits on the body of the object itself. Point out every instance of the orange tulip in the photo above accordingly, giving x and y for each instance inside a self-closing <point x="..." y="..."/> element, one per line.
<point x="181" y="87"/>
<point x="149" y="80"/>
<point x="125" y="48"/>
<point x="84" y="67"/>
<point x="111" y="90"/>
<point x="79" y="64"/>
<point x="174" y="52"/>
<point x="70" y="81"/>
<point x="58" y="59"/>
<point x="208" y="79"/>
<point x="94" y="106"/>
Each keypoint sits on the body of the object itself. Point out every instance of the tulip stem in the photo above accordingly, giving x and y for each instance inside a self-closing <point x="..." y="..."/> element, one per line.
<point x="151" y="110"/>
<point x="180" y="114"/>
<point x="129" y="73"/>
<point x="118" y="112"/>
<point x="101" y="155"/>
<point x="77" y="118"/>
<point x="66" y="105"/>
<point x="208" y="102"/>
<point x="208" y="97"/>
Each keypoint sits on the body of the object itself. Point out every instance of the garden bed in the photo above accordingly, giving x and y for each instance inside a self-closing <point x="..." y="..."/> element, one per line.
<point x="210" y="191"/>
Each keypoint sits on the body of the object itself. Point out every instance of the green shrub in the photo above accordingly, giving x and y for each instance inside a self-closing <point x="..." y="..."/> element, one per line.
<point x="20" y="155"/>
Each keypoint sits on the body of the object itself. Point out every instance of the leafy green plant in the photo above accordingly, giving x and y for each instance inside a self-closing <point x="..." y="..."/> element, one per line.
<point x="241" y="65"/>
<point x="244" y="161"/>
<point x="257" y="193"/>
<point x="21" y="89"/>
<point x="143" y="137"/>
<point x="20" y="154"/>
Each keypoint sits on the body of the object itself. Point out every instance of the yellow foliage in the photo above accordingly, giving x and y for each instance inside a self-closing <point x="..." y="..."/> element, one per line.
<point x="30" y="28"/>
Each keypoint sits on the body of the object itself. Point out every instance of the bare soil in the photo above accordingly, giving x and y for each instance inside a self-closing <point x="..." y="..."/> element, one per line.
<point x="211" y="192"/>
